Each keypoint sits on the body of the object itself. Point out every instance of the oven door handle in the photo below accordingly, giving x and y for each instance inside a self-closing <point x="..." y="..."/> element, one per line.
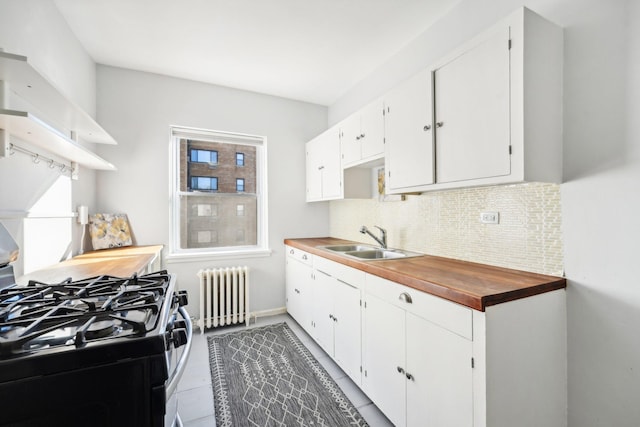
<point x="177" y="373"/>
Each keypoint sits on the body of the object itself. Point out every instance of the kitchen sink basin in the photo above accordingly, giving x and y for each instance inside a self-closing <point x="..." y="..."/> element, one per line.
<point x="349" y="248"/>
<point x="369" y="253"/>
<point x="381" y="254"/>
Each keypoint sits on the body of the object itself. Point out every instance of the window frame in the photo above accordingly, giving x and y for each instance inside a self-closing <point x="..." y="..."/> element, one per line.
<point x="238" y="180"/>
<point x="198" y="161"/>
<point x="212" y="179"/>
<point x="241" y="164"/>
<point x="261" y="248"/>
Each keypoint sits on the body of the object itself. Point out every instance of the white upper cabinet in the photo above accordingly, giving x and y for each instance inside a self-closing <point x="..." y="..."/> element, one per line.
<point x="497" y="112"/>
<point x="408" y="130"/>
<point x="498" y="106"/>
<point x="487" y="113"/>
<point x="34" y="110"/>
<point x="362" y="135"/>
<point x="324" y="169"/>
<point x="472" y="112"/>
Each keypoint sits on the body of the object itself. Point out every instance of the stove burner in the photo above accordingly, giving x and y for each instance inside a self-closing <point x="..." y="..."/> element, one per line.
<point x="74" y="313"/>
<point x="100" y="329"/>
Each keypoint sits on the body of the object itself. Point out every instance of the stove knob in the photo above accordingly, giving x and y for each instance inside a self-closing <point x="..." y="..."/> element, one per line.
<point x="181" y="298"/>
<point x="179" y="324"/>
<point x="179" y="337"/>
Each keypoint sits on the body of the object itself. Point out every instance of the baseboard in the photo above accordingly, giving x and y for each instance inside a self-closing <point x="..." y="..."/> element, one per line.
<point x="270" y="312"/>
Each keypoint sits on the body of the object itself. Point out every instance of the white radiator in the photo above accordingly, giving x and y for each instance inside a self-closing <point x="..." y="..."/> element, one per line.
<point x="224" y="296"/>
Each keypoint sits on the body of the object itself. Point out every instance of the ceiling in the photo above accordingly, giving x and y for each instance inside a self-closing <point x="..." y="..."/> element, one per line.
<point x="306" y="50"/>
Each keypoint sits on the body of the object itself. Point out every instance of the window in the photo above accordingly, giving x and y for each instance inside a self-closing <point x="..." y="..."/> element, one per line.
<point x="204" y="183"/>
<point x="204" y="156"/>
<point x="205" y="209"/>
<point x="221" y="209"/>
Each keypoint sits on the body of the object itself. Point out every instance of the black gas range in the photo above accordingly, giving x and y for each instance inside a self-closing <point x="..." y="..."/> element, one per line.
<point x="101" y="351"/>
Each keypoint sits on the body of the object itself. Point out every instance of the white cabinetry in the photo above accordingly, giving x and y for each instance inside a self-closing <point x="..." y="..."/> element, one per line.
<point x="408" y="127"/>
<point x="34" y="110"/>
<point x="429" y="362"/>
<point x="324" y="169"/>
<point x="472" y="112"/>
<point x="362" y="135"/>
<point x="497" y="112"/>
<point x="299" y="286"/>
<point x="337" y="315"/>
<point x="417" y="355"/>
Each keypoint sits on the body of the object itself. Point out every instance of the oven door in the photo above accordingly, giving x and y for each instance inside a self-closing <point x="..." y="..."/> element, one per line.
<point x="177" y="355"/>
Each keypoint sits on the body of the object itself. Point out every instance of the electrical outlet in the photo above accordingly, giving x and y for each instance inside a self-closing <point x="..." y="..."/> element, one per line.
<point x="490" y="217"/>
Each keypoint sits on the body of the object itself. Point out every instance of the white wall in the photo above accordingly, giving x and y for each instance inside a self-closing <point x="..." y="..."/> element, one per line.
<point x="600" y="198"/>
<point x="140" y="107"/>
<point x="35" y="28"/>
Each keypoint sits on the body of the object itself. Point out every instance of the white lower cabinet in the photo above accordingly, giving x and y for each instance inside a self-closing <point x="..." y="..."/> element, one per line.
<point x="429" y="362"/>
<point x="416" y="371"/>
<point x="299" y="285"/>
<point x="337" y="315"/>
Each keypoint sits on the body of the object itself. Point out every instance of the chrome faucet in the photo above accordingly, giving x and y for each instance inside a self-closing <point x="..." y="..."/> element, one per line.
<point x="383" y="235"/>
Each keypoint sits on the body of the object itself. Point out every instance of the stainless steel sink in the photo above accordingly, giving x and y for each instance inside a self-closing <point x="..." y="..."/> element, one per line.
<point x="348" y="248"/>
<point x="369" y="253"/>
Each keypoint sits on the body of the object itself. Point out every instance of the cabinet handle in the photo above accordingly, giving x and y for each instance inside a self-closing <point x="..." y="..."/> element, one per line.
<point x="405" y="297"/>
<point x="304" y="257"/>
<point x="362" y="135"/>
<point x="410" y="377"/>
<point x="426" y="128"/>
<point x="291" y="251"/>
<point x="297" y="291"/>
<point x="400" y="370"/>
<point x="335" y="319"/>
<point x="331" y="316"/>
<point x="358" y="138"/>
<point x="345" y="283"/>
<point x="320" y="168"/>
<point x="439" y="124"/>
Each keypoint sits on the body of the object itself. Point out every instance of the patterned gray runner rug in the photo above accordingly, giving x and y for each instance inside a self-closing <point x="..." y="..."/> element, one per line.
<point x="266" y="377"/>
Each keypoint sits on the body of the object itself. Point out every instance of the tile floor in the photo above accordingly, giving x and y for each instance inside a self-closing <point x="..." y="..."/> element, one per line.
<point x="195" y="397"/>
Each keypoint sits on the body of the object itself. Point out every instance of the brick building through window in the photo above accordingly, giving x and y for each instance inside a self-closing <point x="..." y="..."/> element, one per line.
<point x="218" y="203"/>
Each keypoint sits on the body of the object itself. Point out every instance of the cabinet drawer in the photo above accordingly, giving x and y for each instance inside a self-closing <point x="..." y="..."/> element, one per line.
<point x="343" y="273"/>
<point x="447" y="314"/>
<point x="300" y="255"/>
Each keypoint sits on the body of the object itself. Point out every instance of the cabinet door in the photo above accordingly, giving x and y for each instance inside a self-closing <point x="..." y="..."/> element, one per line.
<point x="439" y="392"/>
<point x="332" y="166"/>
<point x="351" y="146"/>
<point x="409" y="134"/>
<point x="472" y="113"/>
<point x="384" y="358"/>
<point x="347" y="332"/>
<point x="298" y="292"/>
<point x="322" y="304"/>
<point x="314" y="170"/>
<point x="372" y="130"/>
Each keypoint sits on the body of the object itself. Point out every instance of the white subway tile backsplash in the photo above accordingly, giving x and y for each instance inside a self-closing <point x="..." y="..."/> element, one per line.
<point x="447" y="223"/>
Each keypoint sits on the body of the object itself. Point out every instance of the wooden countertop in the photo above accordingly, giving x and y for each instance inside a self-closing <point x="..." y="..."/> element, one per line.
<point x="471" y="284"/>
<point x="119" y="262"/>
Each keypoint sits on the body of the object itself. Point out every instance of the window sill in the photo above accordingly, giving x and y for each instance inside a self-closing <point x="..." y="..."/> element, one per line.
<point x="175" y="258"/>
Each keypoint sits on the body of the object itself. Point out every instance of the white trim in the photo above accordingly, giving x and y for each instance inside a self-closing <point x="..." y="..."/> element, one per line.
<point x="177" y="258"/>
<point x="270" y="312"/>
<point x="175" y="253"/>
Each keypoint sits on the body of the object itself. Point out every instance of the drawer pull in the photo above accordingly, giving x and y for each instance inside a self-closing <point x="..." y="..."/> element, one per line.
<point x="405" y="297"/>
<point x="410" y="377"/>
<point x="400" y="370"/>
